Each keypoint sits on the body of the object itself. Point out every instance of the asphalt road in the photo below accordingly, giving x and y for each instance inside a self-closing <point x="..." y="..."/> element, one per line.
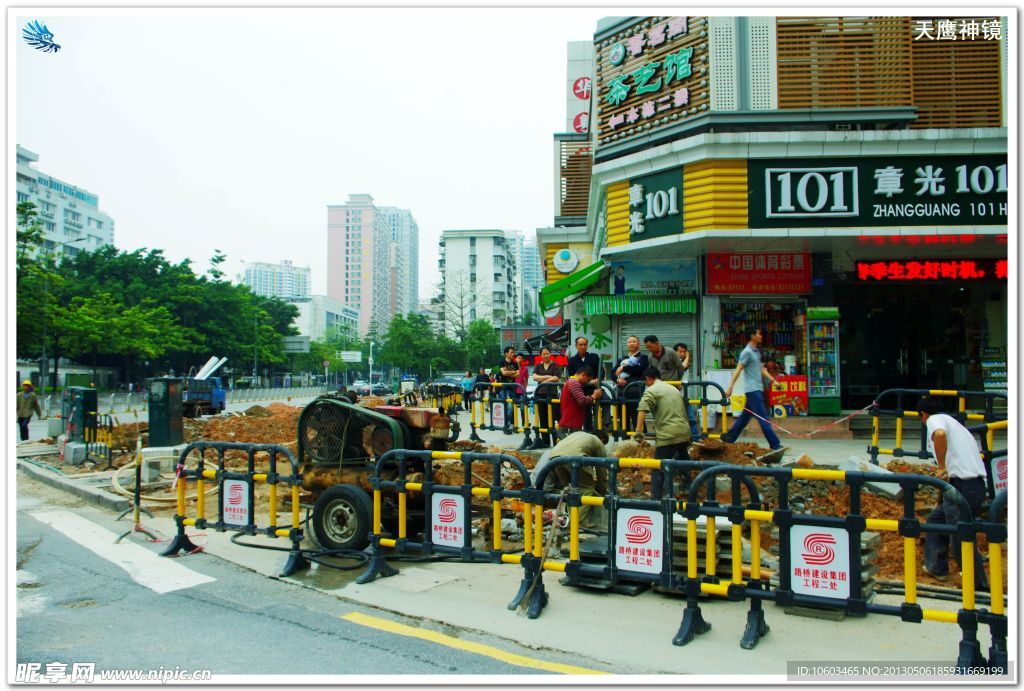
<point x="76" y="606"/>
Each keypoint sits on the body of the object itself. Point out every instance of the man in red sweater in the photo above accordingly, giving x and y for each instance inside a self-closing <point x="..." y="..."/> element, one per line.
<point x="575" y="402"/>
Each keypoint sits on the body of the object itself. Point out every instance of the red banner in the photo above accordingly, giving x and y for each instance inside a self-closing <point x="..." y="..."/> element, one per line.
<point x="790" y="392"/>
<point x="759" y="273"/>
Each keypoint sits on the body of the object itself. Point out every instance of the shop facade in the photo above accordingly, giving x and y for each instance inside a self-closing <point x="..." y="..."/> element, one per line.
<point x="870" y="246"/>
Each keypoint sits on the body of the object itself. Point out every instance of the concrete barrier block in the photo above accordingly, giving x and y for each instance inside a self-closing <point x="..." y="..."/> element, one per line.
<point x="75" y="453"/>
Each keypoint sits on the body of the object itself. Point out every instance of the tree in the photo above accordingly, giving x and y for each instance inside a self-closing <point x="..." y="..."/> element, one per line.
<point x="530" y="317"/>
<point x="481" y="344"/>
<point x="462" y="304"/>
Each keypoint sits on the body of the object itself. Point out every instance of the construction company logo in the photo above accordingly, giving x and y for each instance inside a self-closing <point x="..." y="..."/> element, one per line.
<point x="447" y="526"/>
<point x="820" y="561"/>
<point x="818" y="550"/>
<point x="236" y="502"/>
<point x="638" y="530"/>
<point x="39" y="37"/>
<point x="639" y="540"/>
<point x="1000" y="472"/>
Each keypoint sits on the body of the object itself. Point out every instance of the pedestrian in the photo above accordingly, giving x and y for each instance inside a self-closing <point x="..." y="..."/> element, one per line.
<point x="467" y="389"/>
<point x="593" y="480"/>
<point x="749" y="365"/>
<point x="957" y="454"/>
<point x="582" y="359"/>
<point x="482" y="377"/>
<point x="683" y="351"/>
<point x="575" y="402"/>
<point x="26" y="401"/>
<point x="508" y="370"/>
<point x="632" y="366"/>
<point x="670" y="367"/>
<point x="671" y="431"/>
<point x="546" y="372"/>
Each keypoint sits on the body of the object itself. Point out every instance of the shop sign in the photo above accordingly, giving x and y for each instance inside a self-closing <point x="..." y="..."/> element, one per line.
<point x="820" y="561"/>
<point x="759" y="274"/>
<point x="944" y="270"/>
<point x="650" y="79"/>
<point x="565" y="260"/>
<point x="655" y="205"/>
<point x="788" y="396"/>
<point x="877" y="191"/>
<point x="673" y="277"/>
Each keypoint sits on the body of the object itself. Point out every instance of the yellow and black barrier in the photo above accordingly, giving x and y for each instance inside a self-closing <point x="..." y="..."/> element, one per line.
<point x="449" y="528"/>
<point x="445" y="396"/>
<point x="236" y="498"/>
<point x="640" y="529"/>
<point x="628" y="398"/>
<point x="899" y="400"/>
<point x="547" y="412"/>
<point x="996" y="461"/>
<point x="98" y="436"/>
<point x="810" y="543"/>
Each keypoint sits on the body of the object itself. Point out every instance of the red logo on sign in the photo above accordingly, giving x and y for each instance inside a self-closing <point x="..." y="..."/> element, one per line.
<point x="235" y="495"/>
<point x="446" y="510"/>
<point x="581" y="123"/>
<point x="638" y="530"/>
<point x="1001" y="469"/>
<point x="817" y="550"/>
<point x="581" y="87"/>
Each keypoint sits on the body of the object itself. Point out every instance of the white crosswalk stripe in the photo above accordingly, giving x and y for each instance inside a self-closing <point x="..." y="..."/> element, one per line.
<point x="157" y="573"/>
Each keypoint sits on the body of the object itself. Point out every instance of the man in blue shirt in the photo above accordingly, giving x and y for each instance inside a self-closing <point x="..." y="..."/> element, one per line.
<point x="752" y="370"/>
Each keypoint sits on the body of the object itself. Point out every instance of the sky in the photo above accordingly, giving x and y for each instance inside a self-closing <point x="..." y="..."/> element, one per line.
<point x="232" y="130"/>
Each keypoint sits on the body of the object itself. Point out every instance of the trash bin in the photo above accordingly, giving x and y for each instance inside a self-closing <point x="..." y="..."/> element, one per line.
<point x="165" y="411"/>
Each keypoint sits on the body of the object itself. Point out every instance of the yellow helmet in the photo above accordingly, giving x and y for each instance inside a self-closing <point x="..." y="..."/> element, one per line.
<point x="26" y="383"/>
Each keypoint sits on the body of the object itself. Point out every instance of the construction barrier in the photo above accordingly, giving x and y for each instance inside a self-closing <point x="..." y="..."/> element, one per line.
<point x="900" y="412"/>
<point x="996" y="461"/>
<point x="628" y="398"/>
<point x="98" y="436"/>
<point x="640" y="534"/>
<point x="505" y="405"/>
<point x="444" y="396"/>
<point x="448" y="514"/>
<point x="546" y="412"/>
<point x="236" y="510"/>
<point x="808" y="543"/>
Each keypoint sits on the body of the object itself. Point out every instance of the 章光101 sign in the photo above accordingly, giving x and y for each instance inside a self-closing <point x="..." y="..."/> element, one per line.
<point x="876" y="191"/>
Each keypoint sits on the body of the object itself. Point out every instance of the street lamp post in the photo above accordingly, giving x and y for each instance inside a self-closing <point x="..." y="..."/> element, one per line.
<point x="44" y="364"/>
<point x="370" y="363"/>
<point x="255" y="348"/>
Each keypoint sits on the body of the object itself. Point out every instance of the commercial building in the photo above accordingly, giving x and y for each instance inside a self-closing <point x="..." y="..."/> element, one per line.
<point x="283" y="280"/>
<point x="839" y="182"/>
<point x="369" y="262"/>
<point x="478" y="278"/>
<point x="68" y="213"/>
<point x="320" y="316"/>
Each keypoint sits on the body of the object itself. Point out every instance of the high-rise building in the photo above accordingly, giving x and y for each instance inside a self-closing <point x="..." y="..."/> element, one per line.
<point x="531" y="275"/>
<point x="477" y="269"/>
<point x="319" y="315"/>
<point x="282" y="280"/>
<point x="371" y="254"/>
<point x="405" y="268"/>
<point x="69" y="214"/>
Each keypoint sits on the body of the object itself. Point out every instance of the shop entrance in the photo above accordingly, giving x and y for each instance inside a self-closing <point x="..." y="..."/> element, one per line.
<point x="920" y="336"/>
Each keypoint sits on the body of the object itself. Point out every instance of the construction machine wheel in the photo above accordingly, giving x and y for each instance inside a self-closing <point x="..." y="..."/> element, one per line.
<point x="342" y="518"/>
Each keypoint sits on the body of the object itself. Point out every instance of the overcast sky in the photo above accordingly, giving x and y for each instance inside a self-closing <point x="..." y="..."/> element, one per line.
<point x="233" y="130"/>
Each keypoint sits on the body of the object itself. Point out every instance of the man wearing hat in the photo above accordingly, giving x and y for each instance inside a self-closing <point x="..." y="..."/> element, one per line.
<point x="26" y="401"/>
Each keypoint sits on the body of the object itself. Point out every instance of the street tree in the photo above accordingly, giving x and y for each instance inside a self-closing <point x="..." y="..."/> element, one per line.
<point x="481" y="344"/>
<point x="462" y="303"/>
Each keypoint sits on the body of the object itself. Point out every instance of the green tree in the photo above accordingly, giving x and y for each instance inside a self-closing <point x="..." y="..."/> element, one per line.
<point x="481" y="345"/>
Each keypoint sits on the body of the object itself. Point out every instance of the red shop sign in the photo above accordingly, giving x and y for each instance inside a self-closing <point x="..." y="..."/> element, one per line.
<point x="759" y="273"/>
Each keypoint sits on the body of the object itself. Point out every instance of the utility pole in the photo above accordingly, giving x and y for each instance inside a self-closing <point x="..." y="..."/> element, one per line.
<point x="255" y="348"/>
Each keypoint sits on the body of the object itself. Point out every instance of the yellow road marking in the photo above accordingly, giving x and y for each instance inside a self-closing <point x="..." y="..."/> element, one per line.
<point x="478" y="648"/>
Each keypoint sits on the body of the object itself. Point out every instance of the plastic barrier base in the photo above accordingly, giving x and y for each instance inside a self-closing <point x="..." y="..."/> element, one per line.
<point x="693" y="623"/>
<point x="756" y="626"/>
<point x="378" y="566"/>
<point x="296" y="562"/>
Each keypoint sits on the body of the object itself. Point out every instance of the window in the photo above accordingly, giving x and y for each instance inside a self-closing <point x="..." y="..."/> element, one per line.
<point x="472" y="242"/>
<point x="22" y="197"/>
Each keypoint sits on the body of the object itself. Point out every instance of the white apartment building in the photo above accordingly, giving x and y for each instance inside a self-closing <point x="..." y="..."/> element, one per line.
<point x="368" y="263"/>
<point x="478" y="278"/>
<point x="283" y="280"/>
<point x="405" y="233"/>
<point x="319" y="316"/>
<point x="70" y="215"/>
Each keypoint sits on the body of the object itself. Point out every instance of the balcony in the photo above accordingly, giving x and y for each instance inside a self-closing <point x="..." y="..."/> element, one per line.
<point x="73" y="223"/>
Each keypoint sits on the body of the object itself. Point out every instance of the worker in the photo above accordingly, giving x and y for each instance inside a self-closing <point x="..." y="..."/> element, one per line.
<point x="593" y="480"/>
<point x="957" y="454"/>
<point x="671" y="429"/>
<point x="575" y="402"/>
<point x="26" y="401"/>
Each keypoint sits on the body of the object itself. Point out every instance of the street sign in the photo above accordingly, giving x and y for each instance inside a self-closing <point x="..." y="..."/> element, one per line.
<point x="348" y="355"/>
<point x="295" y="344"/>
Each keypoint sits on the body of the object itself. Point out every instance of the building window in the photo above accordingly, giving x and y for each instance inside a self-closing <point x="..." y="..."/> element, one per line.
<point x="22" y="197"/>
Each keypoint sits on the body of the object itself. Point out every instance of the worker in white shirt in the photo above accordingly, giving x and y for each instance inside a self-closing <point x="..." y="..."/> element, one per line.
<point x="959" y="459"/>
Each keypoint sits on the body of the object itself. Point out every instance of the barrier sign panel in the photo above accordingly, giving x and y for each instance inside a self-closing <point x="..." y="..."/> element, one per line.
<point x="1000" y="472"/>
<point x="498" y="414"/>
<point x="639" y="540"/>
<point x="236" y="502"/>
<point x="448" y="520"/>
<point x="820" y="561"/>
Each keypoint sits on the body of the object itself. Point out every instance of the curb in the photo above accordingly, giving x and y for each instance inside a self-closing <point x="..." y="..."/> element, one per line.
<point x="107" y="500"/>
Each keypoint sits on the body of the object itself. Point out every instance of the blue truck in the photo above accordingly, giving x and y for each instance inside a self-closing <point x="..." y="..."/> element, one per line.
<point x="203" y="396"/>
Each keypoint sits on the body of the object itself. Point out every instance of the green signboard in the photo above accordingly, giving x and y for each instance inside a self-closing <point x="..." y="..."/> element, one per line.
<point x="656" y="205"/>
<point x="919" y="190"/>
